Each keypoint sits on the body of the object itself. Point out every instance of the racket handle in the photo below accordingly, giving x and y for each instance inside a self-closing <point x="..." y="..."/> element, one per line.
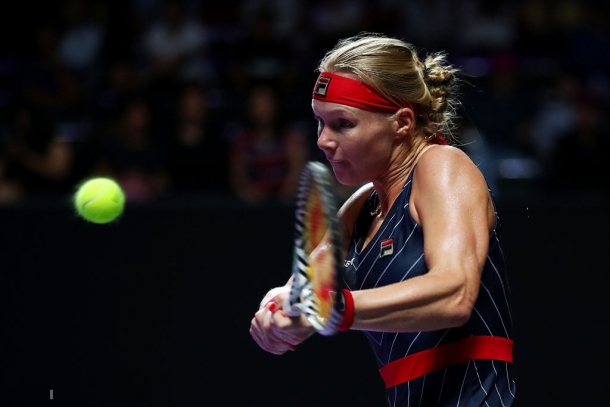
<point x="290" y="309"/>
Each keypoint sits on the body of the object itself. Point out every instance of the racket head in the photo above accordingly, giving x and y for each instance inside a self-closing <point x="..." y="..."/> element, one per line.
<point x="316" y="280"/>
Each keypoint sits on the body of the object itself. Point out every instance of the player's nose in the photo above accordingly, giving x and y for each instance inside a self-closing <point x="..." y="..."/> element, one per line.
<point x="326" y="142"/>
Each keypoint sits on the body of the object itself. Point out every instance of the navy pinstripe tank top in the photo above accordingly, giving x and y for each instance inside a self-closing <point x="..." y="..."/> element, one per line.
<point x="396" y="253"/>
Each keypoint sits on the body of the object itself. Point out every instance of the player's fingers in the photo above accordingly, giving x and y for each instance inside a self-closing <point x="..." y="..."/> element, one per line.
<point x="269" y="336"/>
<point x="256" y="333"/>
<point x="279" y="322"/>
<point x="266" y="336"/>
<point x="273" y="345"/>
<point x="279" y="300"/>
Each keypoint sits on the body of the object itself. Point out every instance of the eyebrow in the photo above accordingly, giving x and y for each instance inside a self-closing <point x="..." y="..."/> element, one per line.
<point x="334" y="112"/>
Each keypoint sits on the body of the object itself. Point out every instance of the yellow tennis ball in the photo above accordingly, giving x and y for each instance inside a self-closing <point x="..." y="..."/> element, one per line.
<point x="99" y="200"/>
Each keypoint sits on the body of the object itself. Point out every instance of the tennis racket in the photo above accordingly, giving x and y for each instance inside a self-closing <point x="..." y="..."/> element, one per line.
<point x="317" y="279"/>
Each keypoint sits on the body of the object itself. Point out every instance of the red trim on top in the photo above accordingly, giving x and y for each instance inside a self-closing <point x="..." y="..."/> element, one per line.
<point x="424" y="362"/>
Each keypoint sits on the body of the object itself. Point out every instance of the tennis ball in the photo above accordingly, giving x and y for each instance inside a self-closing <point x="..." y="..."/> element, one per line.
<point x="99" y="200"/>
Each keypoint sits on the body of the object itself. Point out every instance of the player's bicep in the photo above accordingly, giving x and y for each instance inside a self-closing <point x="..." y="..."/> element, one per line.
<point x="451" y="200"/>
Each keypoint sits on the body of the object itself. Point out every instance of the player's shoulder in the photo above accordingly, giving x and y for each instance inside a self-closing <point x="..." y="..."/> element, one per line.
<point x="446" y="165"/>
<point x="351" y="208"/>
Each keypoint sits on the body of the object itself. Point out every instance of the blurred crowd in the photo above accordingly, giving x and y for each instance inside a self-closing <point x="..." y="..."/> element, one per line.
<point x="172" y="97"/>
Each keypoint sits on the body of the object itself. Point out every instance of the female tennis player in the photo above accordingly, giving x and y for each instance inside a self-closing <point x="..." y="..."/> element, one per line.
<point x="424" y="264"/>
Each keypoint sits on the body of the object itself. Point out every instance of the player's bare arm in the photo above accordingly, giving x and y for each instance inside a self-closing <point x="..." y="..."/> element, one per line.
<point x="451" y="202"/>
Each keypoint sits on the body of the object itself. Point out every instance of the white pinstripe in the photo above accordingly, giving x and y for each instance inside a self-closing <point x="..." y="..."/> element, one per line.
<point x="395" y="395"/>
<point x="417" y="336"/>
<point x="346" y="283"/>
<point x="373" y="338"/>
<point x="463" y="381"/>
<point x="477" y="311"/>
<point x="381" y="233"/>
<point x="498" y="241"/>
<point x="379" y="360"/>
<point x="361" y="261"/>
<point x="477" y="370"/>
<point x="508" y="380"/>
<point x="408" y="271"/>
<point x="421" y="396"/>
<point x="495" y="385"/>
<point x="401" y="191"/>
<point x="503" y="288"/>
<point x="440" y="392"/>
<point x="442" y="337"/>
<point x="494" y="303"/>
<point x="392" y="347"/>
<point x="394" y="258"/>
<point x="386" y="226"/>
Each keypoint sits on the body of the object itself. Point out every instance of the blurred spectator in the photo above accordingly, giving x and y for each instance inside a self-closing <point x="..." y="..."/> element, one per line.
<point x="117" y="91"/>
<point x="82" y="38"/>
<point x="414" y="19"/>
<point x="267" y="157"/>
<point x="33" y="159"/>
<point x="197" y="156"/>
<point x="262" y="55"/>
<point x="175" y="47"/>
<point x="47" y="85"/>
<point x="580" y="159"/>
<point x="337" y="18"/>
<point x="284" y="14"/>
<point x="503" y="107"/>
<point x="76" y="80"/>
<point x="555" y="117"/>
<point x="133" y="157"/>
<point x="487" y="25"/>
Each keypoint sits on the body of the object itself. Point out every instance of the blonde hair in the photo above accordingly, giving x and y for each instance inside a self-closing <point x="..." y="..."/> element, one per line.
<point x="393" y="68"/>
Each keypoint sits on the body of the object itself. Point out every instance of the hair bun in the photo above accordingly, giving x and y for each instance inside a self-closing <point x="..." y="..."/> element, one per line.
<point x="439" y="77"/>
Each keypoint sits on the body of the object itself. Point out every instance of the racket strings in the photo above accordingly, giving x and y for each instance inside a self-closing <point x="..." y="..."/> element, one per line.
<point x="317" y="261"/>
<point x="321" y="271"/>
<point x="315" y="221"/>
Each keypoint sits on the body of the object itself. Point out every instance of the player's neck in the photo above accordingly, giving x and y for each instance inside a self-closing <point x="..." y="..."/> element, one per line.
<point x="391" y="182"/>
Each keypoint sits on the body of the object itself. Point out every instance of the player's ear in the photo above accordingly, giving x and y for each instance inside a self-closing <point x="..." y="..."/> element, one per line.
<point x="404" y="122"/>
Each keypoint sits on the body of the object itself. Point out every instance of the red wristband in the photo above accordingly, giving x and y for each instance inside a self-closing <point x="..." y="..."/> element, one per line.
<point x="348" y="314"/>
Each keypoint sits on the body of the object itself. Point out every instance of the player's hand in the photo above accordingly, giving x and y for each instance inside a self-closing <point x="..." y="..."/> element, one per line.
<point x="293" y="330"/>
<point x="263" y="333"/>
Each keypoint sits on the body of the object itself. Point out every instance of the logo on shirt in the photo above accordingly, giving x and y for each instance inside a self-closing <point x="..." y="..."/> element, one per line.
<point x="322" y="86"/>
<point x="348" y="262"/>
<point x="387" y="248"/>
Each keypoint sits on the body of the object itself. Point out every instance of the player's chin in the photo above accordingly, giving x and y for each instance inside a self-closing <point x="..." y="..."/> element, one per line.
<point x="344" y="174"/>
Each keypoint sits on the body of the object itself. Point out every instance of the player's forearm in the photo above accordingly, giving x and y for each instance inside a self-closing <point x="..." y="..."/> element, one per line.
<point x="423" y="303"/>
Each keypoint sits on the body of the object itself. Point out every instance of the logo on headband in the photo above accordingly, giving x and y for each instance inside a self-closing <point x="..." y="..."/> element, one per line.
<point x="322" y="86"/>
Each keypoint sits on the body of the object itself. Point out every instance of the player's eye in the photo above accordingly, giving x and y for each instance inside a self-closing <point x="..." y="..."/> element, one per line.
<point x="345" y="124"/>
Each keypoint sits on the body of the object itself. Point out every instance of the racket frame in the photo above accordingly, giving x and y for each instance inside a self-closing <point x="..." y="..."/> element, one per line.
<point x="302" y="298"/>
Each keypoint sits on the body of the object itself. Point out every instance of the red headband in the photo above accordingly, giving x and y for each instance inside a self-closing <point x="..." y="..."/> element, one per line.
<point x="350" y="92"/>
<point x="346" y="91"/>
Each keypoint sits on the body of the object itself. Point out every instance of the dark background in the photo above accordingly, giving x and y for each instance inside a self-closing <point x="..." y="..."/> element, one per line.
<point x="154" y="310"/>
